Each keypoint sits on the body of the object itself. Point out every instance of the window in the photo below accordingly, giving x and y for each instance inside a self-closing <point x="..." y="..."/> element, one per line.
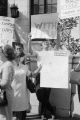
<point x="51" y="6"/>
<point x="43" y="6"/>
<point x="3" y="7"/>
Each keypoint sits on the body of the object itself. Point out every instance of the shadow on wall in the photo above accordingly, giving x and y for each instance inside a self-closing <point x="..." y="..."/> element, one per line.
<point x="22" y="29"/>
<point x="9" y="11"/>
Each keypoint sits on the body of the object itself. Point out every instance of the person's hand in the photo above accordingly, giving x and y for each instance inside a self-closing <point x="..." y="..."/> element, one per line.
<point x="27" y="60"/>
<point x="40" y="67"/>
<point x="78" y="83"/>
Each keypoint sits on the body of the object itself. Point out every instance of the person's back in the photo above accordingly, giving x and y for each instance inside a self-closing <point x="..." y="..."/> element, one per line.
<point x="7" y="74"/>
<point x="43" y="97"/>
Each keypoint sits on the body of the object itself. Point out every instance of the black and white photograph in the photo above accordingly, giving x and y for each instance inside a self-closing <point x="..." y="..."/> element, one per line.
<point x="39" y="59"/>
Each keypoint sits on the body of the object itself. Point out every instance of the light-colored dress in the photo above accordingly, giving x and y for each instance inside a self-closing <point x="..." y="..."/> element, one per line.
<point x="21" y="94"/>
<point x="6" y="77"/>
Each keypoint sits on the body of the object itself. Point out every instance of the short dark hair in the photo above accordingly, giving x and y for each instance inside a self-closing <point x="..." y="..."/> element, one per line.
<point x="9" y="52"/>
<point x="14" y="44"/>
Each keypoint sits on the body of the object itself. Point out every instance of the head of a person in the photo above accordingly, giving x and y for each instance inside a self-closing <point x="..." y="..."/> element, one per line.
<point x="18" y="48"/>
<point x="8" y="52"/>
<point x="0" y="49"/>
<point x="45" y="45"/>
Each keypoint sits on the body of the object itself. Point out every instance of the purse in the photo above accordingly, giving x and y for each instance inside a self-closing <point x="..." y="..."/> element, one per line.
<point x="75" y="77"/>
<point x="3" y="98"/>
<point x="30" y="85"/>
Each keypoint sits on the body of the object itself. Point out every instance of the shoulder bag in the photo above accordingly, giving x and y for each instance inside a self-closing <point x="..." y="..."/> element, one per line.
<point x="75" y="77"/>
<point x="30" y="85"/>
<point x="3" y="98"/>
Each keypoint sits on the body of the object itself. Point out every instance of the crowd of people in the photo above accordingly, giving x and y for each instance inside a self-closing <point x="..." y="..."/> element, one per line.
<point x="13" y="72"/>
<point x="14" y="76"/>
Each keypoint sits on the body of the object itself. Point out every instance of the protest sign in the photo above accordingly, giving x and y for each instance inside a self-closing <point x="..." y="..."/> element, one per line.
<point x="54" y="73"/>
<point x="68" y="8"/>
<point x="44" y="26"/>
<point x="6" y="30"/>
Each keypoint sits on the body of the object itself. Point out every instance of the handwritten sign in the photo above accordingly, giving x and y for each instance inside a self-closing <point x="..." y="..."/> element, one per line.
<point x="68" y="8"/>
<point x="44" y="26"/>
<point x="54" y="73"/>
<point x="6" y="30"/>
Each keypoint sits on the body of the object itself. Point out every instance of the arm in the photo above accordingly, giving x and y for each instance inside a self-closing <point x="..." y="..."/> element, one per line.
<point x="34" y="73"/>
<point x="6" y="74"/>
<point x="77" y="69"/>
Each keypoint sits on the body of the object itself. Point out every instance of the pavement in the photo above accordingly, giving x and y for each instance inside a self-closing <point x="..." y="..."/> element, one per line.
<point x="63" y="118"/>
<point x="58" y="119"/>
<point x="38" y="117"/>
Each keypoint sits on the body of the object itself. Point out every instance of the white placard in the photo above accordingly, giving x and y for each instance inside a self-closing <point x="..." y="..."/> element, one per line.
<point x="54" y="73"/>
<point x="68" y="8"/>
<point x="44" y="26"/>
<point x="6" y="30"/>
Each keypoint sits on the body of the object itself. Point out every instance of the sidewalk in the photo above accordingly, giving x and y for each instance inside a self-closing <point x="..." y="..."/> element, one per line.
<point x="58" y="119"/>
<point x="51" y="119"/>
<point x="38" y="117"/>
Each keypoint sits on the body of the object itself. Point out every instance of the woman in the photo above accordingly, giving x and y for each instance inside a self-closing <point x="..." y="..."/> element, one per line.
<point x="6" y="74"/>
<point x="43" y="94"/>
<point x="21" y="102"/>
